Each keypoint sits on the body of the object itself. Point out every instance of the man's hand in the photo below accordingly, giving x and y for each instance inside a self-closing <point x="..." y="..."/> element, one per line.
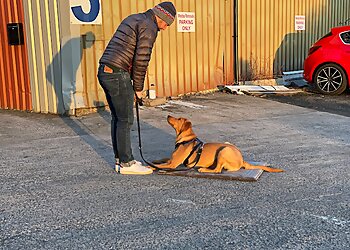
<point x="138" y="98"/>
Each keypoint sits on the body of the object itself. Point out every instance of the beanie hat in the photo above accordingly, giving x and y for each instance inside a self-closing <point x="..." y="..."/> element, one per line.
<point x="165" y="11"/>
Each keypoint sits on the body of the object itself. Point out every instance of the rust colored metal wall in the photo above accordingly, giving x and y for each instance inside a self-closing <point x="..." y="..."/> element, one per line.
<point x="14" y="77"/>
<point x="267" y="40"/>
<point x="181" y="62"/>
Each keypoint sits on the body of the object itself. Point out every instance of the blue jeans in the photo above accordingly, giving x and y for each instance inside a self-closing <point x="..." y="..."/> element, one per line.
<point x="120" y="97"/>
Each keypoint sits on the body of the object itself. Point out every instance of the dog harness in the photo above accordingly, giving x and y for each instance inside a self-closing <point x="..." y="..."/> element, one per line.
<point x="198" y="147"/>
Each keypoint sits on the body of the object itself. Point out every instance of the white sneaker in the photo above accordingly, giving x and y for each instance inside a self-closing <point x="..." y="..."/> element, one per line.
<point x="133" y="167"/>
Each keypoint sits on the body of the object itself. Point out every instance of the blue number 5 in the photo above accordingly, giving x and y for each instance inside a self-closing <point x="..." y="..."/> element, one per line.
<point x="87" y="17"/>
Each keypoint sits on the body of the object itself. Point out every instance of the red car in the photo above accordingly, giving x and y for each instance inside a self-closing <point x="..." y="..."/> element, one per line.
<point x="327" y="66"/>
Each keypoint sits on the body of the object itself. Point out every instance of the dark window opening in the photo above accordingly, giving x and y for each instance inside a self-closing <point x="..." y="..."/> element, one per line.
<point x="345" y="37"/>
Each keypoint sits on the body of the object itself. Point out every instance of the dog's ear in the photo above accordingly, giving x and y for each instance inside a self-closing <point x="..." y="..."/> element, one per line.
<point x="186" y="125"/>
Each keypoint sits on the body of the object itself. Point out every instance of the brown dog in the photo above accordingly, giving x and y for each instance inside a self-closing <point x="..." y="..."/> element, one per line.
<point x="214" y="156"/>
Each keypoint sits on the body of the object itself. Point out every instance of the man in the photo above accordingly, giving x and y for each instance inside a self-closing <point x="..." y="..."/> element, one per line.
<point x="126" y="58"/>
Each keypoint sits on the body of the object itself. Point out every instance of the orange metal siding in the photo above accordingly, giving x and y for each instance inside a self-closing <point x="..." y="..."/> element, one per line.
<point x="14" y="76"/>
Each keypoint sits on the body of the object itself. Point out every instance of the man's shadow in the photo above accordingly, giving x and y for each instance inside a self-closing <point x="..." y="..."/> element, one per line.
<point x="62" y="75"/>
<point x="63" y="79"/>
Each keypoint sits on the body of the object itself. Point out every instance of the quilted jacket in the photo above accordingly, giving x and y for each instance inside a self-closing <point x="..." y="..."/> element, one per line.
<point x="131" y="46"/>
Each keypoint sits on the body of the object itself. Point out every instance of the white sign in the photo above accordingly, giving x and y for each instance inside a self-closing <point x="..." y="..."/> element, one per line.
<point x="85" y="11"/>
<point x="186" y="22"/>
<point x="299" y="22"/>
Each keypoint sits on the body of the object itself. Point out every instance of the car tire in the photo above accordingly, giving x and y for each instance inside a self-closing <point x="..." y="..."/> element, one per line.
<point x="330" y="79"/>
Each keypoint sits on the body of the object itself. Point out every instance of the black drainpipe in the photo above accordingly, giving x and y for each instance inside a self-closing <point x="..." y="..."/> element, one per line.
<point x="235" y="40"/>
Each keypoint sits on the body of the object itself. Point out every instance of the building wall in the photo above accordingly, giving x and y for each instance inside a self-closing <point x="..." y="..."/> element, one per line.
<point x="63" y="57"/>
<point x="14" y="76"/>
<point x="181" y="62"/>
<point x="267" y="41"/>
<point x="43" y="39"/>
<point x="54" y="52"/>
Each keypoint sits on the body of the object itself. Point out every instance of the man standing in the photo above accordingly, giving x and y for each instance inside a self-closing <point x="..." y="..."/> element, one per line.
<point x="126" y="58"/>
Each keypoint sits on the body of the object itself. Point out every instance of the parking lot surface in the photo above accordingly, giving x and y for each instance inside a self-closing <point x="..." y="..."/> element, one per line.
<point x="59" y="189"/>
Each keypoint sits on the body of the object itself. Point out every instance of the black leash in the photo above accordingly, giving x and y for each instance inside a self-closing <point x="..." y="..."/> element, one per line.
<point x="139" y="103"/>
<point x="198" y="147"/>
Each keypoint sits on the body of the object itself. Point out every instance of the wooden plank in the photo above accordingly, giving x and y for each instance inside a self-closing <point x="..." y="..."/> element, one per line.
<point x="240" y="175"/>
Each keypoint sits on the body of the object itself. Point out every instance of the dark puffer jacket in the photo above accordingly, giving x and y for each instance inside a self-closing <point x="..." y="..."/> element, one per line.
<point x="131" y="46"/>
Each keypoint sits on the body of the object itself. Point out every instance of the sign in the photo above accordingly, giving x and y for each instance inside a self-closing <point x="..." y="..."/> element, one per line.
<point x="186" y="22"/>
<point x="299" y="22"/>
<point x="85" y="12"/>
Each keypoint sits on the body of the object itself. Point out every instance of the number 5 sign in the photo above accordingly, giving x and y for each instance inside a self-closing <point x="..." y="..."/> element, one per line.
<point x="85" y="12"/>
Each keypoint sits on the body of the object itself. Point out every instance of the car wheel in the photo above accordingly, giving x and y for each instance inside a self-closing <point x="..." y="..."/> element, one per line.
<point x="330" y="79"/>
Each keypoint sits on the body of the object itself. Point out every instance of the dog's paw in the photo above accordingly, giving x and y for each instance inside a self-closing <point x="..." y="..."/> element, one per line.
<point x="201" y="170"/>
<point x="152" y="168"/>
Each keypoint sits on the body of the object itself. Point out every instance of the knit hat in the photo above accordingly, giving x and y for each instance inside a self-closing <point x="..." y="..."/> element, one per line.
<point x="165" y="11"/>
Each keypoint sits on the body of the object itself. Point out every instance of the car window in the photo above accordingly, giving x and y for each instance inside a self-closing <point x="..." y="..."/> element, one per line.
<point x="345" y="37"/>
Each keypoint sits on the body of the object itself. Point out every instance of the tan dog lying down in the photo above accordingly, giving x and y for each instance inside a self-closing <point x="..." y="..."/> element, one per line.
<point x="214" y="157"/>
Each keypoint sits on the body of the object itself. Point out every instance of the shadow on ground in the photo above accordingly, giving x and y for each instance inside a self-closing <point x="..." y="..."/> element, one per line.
<point x="339" y="105"/>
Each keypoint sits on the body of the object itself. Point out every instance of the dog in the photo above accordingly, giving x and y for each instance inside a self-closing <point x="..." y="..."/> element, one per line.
<point x="213" y="158"/>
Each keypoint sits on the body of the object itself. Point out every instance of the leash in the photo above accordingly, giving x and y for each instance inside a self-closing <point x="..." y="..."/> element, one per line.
<point x="137" y="104"/>
<point x="198" y="146"/>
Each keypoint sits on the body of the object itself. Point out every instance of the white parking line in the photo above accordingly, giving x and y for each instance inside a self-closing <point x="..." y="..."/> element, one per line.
<point x="331" y="219"/>
<point x="181" y="201"/>
<point x="187" y="104"/>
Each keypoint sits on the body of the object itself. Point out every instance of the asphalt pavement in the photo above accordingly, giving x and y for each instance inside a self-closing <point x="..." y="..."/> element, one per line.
<point x="59" y="189"/>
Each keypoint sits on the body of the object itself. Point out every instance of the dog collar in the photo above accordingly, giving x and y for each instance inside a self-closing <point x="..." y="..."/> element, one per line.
<point x="185" y="142"/>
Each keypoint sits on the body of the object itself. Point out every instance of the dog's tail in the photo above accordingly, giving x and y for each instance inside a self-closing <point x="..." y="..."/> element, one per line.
<point x="247" y="165"/>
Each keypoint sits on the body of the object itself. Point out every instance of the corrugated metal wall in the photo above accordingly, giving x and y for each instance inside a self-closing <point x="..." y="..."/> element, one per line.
<point x="181" y="62"/>
<point x="43" y="37"/>
<point x="14" y="76"/>
<point x="267" y="41"/>
<point x="63" y="58"/>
